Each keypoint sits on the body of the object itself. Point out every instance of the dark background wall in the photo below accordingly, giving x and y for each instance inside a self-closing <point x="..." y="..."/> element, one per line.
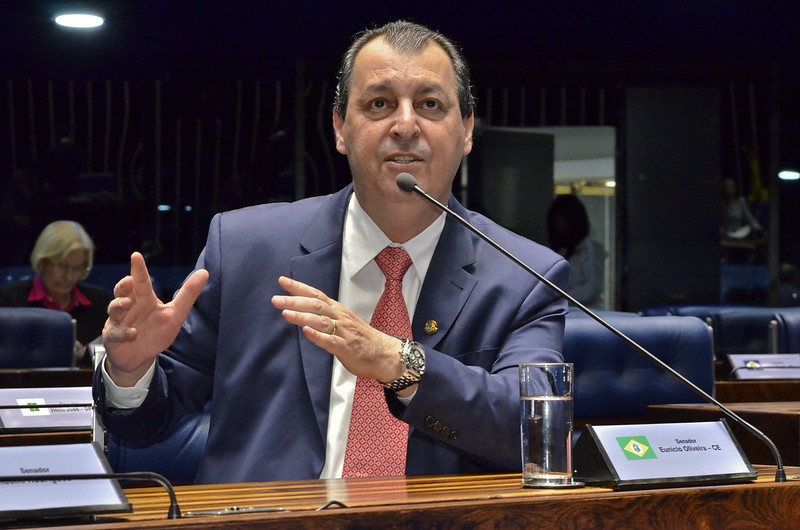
<point x="178" y="109"/>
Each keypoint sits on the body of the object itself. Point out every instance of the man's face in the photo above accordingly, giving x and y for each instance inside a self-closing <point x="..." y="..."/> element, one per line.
<point x="402" y="116"/>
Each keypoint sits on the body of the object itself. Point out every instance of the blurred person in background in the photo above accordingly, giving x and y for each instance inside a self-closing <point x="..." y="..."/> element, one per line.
<point x="62" y="257"/>
<point x="568" y="231"/>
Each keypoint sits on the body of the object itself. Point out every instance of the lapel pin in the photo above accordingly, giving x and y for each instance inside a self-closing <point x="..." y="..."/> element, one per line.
<point x="431" y="327"/>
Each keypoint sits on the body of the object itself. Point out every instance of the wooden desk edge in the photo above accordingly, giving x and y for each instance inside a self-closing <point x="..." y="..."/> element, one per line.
<point x="502" y="503"/>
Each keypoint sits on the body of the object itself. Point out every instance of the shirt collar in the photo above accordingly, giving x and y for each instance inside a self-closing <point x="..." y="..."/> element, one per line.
<point x="39" y="294"/>
<point x="363" y="240"/>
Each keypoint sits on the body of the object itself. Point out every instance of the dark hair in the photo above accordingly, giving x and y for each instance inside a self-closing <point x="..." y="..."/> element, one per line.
<point x="405" y="37"/>
<point x="572" y="209"/>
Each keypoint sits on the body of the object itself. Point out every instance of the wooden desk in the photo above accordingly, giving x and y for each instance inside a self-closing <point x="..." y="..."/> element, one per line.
<point x="496" y="501"/>
<point x="756" y="391"/>
<point x="780" y="421"/>
<point x="45" y="377"/>
<point x="46" y="438"/>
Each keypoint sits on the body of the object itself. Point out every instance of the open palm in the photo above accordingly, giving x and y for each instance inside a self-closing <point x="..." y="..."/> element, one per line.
<point x="140" y="326"/>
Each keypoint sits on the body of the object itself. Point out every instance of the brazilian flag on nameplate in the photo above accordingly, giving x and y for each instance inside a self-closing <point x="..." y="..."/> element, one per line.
<point x="636" y="447"/>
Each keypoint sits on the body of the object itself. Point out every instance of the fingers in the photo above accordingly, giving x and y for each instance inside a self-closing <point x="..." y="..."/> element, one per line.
<point x="139" y="271"/>
<point x="124" y="287"/>
<point x="139" y="278"/>
<point x="304" y="298"/>
<point x="188" y="293"/>
<point x="318" y="323"/>
<point x="309" y="307"/>
<point x="114" y="332"/>
<point x="296" y="288"/>
<point x="118" y="307"/>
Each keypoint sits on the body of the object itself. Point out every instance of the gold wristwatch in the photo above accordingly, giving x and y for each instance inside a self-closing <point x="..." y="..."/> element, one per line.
<point x="412" y="355"/>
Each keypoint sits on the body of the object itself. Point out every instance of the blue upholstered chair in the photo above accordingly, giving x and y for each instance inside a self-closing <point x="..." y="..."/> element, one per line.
<point x="743" y="330"/>
<point x="33" y="337"/>
<point x="736" y="328"/>
<point x="613" y="381"/>
<point x="16" y="274"/>
<point x="177" y="458"/>
<point x="786" y="330"/>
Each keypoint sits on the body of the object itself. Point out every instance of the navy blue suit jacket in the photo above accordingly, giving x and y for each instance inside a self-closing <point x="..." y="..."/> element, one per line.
<point x="269" y="387"/>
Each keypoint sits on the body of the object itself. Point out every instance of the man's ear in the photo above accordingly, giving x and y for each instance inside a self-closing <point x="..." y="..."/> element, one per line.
<point x="338" y="125"/>
<point x="469" y="127"/>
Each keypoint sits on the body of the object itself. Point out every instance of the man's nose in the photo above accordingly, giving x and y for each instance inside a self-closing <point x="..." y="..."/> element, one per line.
<point x="405" y="125"/>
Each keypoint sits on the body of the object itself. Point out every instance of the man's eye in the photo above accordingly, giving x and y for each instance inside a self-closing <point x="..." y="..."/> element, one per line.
<point x="431" y="104"/>
<point x="378" y="104"/>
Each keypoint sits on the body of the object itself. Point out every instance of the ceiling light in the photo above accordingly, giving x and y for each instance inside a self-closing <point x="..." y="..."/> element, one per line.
<point x="789" y="175"/>
<point x="79" y="20"/>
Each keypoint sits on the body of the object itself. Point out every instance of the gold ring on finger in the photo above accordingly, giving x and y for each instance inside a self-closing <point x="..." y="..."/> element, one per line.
<point x="333" y="332"/>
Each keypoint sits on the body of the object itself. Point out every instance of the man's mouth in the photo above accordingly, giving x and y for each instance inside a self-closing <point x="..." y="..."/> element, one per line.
<point x="403" y="159"/>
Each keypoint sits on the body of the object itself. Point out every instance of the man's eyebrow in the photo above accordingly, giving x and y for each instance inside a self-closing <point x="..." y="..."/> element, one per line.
<point x="431" y="88"/>
<point x="381" y="87"/>
<point x="377" y="87"/>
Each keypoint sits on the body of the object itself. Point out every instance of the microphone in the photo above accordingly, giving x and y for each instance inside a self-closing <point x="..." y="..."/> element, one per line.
<point x="174" y="510"/>
<point x="408" y="183"/>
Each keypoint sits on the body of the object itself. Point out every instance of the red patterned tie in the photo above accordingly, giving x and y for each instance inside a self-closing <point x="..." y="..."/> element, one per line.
<point x="376" y="443"/>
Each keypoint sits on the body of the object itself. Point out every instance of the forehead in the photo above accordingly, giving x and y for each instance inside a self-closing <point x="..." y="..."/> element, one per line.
<point x="380" y="65"/>
<point x="75" y="257"/>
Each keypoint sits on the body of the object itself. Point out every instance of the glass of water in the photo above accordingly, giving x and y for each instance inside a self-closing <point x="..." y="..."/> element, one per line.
<point x="546" y="424"/>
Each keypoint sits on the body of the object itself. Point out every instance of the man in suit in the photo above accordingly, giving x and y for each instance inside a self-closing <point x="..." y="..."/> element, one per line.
<point x="272" y="329"/>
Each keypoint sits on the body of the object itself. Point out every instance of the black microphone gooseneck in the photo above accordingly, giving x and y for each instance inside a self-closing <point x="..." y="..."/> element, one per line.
<point x="408" y="183"/>
<point x="174" y="510"/>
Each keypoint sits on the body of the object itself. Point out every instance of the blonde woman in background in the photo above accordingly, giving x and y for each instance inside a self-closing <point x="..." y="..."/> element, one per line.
<point x="62" y="257"/>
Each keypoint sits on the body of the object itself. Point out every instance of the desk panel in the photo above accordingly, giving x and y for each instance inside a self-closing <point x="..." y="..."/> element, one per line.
<point x="756" y="391"/>
<point x="779" y="420"/>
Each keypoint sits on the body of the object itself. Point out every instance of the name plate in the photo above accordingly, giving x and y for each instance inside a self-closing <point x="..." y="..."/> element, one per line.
<point x="40" y="497"/>
<point x="765" y="366"/>
<point x="660" y="454"/>
<point x="26" y="410"/>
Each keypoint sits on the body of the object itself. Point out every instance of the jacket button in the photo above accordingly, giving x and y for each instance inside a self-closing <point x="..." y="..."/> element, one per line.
<point x="429" y="422"/>
<point x="453" y="435"/>
<point x="437" y="426"/>
<point x="446" y="431"/>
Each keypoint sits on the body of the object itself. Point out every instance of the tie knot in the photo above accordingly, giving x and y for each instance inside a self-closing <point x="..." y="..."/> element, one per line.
<point x="393" y="262"/>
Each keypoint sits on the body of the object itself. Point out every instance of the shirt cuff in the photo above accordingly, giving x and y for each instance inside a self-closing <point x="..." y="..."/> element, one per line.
<point x="119" y="397"/>
<point x="406" y="400"/>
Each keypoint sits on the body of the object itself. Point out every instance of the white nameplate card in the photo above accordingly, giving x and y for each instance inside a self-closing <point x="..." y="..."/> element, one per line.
<point x="765" y="366"/>
<point x="48" y="498"/>
<point x="659" y="454"/>
<point x="26" y="410"/>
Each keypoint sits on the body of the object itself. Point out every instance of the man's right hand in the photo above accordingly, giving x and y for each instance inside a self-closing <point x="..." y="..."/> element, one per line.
<point x="139" y="325"/>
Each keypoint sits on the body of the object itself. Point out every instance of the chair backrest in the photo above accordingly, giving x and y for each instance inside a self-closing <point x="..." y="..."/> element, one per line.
<point x="177" y="458"/>
<point x="107" y="276"/>
<point x="615" y="381"/>
<point x="34" y="337"/>
<point x="16" y="274"/>
<point x="743" y="330"/>
<point x="736" y="328"/>
<point x="787" y="322"/>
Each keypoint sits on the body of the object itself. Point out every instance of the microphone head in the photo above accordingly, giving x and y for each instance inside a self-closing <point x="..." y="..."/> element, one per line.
<point x="406" y="182"/>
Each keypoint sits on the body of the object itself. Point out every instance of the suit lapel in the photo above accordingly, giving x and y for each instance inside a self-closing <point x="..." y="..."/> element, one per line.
<point x="447" y="284"/>
<point x="320" y="267"/>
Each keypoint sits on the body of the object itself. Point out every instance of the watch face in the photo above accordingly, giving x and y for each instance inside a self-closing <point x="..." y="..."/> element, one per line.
<point x="416" y="358"/>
